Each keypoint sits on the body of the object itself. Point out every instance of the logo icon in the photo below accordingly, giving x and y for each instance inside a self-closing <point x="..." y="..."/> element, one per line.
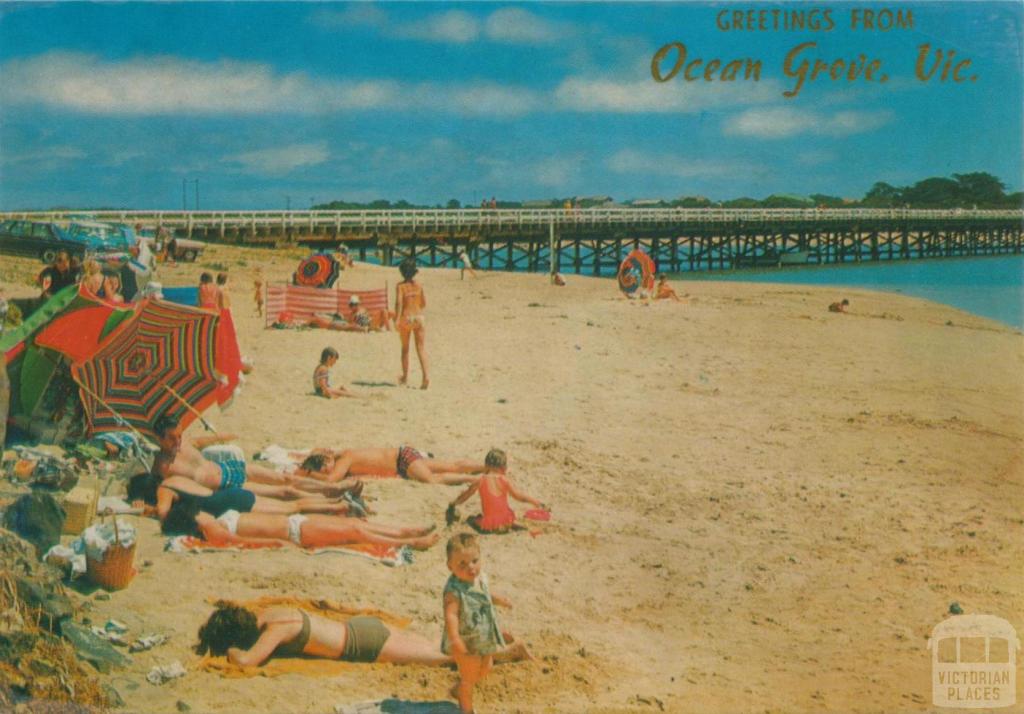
<point x="974" y="662"/>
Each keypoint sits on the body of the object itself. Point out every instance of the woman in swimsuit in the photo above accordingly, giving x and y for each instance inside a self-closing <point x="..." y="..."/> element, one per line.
<point x="160" y="495"/>
<point x="250" y="638"/>
<point x="410" y="302"/>
<point x="272" y="529"/>
<point x="405" y="461"/>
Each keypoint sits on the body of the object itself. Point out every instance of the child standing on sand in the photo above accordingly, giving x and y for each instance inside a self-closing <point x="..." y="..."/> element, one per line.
<point x="322" y="376"/>
<point x="471" y="635"/>
<point x="494" y="488"/>
<point x="209" y="294"/>
<point x="410" y="302"/>
<point x="257" y="285"/>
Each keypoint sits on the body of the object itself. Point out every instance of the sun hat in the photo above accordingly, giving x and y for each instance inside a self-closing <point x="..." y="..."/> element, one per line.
<point x="354" y="300"/>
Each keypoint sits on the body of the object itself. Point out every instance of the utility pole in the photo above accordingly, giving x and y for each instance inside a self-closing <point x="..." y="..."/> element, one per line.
<point x="288" y="203"/>
<point x="197" y="194"/>
<point x="184" y="183"/>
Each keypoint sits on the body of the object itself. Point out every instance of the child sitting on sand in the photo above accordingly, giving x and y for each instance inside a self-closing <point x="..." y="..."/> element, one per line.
<point x="321" y="376"/>
<point x="664" y="291"/>
<point x="494" y="488"/>
<point x="839" y="306"/>
<point x="471" y="634"/>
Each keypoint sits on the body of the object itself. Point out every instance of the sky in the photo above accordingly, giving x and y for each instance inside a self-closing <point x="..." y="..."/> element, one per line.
<point x="269" y="105"/>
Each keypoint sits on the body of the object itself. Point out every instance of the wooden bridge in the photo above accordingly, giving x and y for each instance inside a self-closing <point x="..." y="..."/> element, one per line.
<point x="594" y="240"/>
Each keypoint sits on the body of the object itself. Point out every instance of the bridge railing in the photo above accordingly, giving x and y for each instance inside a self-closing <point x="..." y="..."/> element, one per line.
<point x="437" y="219"/>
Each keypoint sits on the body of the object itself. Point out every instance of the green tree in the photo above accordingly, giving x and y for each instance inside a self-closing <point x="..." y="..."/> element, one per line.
<point x="933" y="192"/>
<point x="883" y="195"/>
<point x="453" y="203"/>
<point x="980" y="189"/>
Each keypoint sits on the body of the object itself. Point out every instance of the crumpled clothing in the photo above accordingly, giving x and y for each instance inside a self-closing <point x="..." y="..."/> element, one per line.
<point x="60" y="554"/>
<point x="99" y="537"/>
<point x="164" y="673"/>
<point x="147" y="643"/>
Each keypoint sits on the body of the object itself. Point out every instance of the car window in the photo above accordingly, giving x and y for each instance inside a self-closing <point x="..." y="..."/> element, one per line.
<point x="41" y="230"/>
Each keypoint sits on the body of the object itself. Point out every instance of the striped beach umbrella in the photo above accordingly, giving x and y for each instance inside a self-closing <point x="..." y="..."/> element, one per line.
<point x="159" y="361"/>
<point x="636" y="272"/>
<point x="318" y="271"/>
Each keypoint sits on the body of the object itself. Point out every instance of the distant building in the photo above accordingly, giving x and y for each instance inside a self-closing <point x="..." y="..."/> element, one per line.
<point x="538" y="204"/>
<point x="646" y="203"/>
<point x="596" y="201"/>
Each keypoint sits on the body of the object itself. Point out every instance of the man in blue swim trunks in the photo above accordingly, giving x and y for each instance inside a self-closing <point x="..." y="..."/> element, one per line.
<point x="181" y="457"/>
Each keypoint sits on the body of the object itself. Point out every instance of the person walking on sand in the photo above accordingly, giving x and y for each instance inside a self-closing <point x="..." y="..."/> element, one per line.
<point x="471" y="634"/>
<point x="467" y="264"/>
<point x="410" y="303"/>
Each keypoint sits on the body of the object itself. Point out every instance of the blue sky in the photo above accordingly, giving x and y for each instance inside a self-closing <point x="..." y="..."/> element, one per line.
<point x="115" y="104"/>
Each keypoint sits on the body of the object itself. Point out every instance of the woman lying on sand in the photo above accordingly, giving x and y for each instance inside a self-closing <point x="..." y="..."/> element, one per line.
<point x="407" y="462"/>
<point x="313" y="531"/>
<point x="157" y="496"/>
<point x="250" y="638"/>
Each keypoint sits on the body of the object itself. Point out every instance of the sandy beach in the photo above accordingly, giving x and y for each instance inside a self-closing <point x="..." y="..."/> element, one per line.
<point x="758" y="505"/>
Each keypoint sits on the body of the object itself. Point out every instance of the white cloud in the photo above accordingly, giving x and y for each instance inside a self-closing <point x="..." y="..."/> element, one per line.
<point x="647" y="96"/>
<point x="784" y="122"/>
<point x="632" y="161"/>
<point x="280" y="160"/>
<point x="514" y="25"/>
<point x="50" y="155"/>
<point x="454" y="26"/>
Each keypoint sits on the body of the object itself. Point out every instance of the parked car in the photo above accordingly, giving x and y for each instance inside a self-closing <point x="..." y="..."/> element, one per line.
<point x="44" y="240"/>
<point x="185" y="249"/>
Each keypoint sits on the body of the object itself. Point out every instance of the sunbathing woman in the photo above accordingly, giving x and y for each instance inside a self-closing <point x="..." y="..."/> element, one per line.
<point x="250" y="638"/>
<point x="405" y="461"/>
<point x="160" y="495"/>
<point x="272" y="529"/>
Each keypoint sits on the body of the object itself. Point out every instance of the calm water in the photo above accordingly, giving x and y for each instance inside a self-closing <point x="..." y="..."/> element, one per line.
<point x="991" y="287"/>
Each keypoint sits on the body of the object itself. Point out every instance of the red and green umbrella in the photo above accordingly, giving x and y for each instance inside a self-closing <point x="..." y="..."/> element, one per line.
<point x="159" y="361"/>
<point x="318" y="271"/>
<point x="636" y="272"/>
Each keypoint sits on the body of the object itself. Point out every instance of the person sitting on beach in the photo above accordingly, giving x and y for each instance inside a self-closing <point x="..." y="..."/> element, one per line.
<point x="57" y="276"/>
<point x="494" y="489"/>
<point x="178" y="457"/>
<point x="92" y="280"/>
<point x="250" y="638"/>
<point x="405" y="461"/>
<point x="664" y="291"/>
<point x="322" y="376"/>
<point x="111" y="290"/>
<point x="157" y="496"/>
<point x="230" y="528"/>
<point x="410" y="304"/>
<point x="558" y="280"/>
<point x="839" y="306"/>
<point x="209" y="294"/>
<point x="471" y="633"/>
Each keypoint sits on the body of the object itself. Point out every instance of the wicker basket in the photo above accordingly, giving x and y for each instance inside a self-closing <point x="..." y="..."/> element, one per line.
<point x="117" y="568"/>
<point x="80" y="507"/>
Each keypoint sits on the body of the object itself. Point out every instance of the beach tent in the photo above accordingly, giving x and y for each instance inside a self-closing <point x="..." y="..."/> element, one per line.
<point x="69" y="326"/>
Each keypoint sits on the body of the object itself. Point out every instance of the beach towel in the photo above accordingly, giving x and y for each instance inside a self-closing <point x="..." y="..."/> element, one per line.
<point x="275" y="667"/>
<point x="390" y="555"/>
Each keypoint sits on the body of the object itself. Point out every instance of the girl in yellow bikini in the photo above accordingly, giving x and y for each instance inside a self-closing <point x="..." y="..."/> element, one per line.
<point x="410" y="302"/>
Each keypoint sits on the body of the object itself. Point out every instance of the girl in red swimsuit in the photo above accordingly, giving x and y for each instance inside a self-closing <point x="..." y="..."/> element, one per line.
<point x="494" y="488"/>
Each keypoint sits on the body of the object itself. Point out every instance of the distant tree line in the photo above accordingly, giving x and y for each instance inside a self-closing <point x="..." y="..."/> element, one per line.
<point x="973" y="190"/>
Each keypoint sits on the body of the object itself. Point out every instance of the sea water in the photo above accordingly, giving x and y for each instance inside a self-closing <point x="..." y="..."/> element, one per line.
<point x="991" y="287"/>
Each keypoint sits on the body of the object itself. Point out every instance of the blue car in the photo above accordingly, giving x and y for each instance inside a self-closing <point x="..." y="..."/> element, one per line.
<point x="44" y="240"/>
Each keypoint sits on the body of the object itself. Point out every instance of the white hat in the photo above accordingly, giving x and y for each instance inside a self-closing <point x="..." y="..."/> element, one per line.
<point x="354" y="300"/>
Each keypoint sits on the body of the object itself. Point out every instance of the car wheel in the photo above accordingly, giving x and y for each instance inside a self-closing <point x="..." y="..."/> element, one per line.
<point x="190" y="256"/>
<point x="49" y="255"/>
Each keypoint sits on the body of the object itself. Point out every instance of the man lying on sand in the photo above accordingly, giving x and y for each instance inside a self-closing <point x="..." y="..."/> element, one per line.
<point x="405" y="461"/>
<point x="157" y="496"/>
<point x="250" y="638"/>
<point x="273" y="529"/>
<point x="178" y="457"/>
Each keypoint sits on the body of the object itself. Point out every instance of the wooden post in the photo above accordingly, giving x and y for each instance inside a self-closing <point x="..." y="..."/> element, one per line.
<point x="552" y="250"/>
